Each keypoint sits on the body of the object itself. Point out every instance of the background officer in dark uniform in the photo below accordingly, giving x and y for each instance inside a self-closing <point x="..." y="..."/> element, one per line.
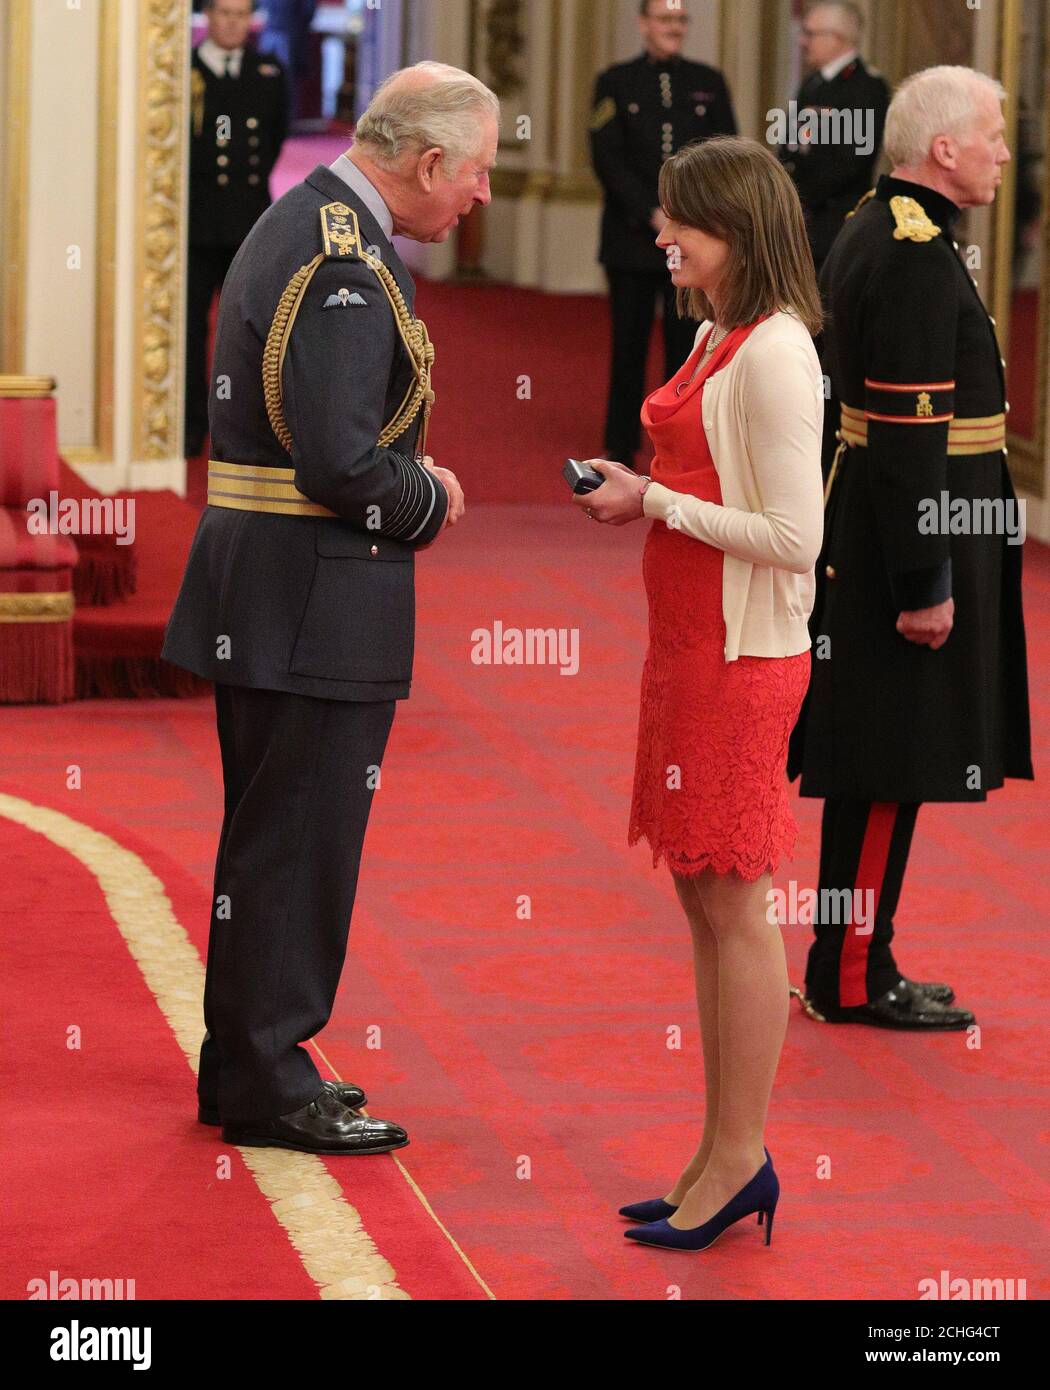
<point x="831" y="176"/>
<point x="919" y="687"/>
<point x="298" y="597"/>
<point x="230" y="167"/>
<point x="643" y="112"/>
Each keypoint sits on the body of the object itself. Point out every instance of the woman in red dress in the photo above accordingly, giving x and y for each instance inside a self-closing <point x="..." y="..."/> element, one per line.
<point x="736" y="501"/>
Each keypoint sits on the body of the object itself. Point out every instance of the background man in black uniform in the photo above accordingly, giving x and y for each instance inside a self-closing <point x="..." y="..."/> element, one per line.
<point x="238" y="104"/>
<point x="298" y="597"/>
<point x="831" y="176"/>
<point x="643" y="112"/>
<point x="919" y="689"/>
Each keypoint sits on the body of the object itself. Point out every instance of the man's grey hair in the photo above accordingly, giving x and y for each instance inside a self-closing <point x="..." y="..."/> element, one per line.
<point x="935" y="101"/>
<point x="849" y="18"/>
<point x="441" y="110"/>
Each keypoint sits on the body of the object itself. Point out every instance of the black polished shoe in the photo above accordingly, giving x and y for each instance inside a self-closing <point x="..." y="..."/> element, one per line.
<point x="940" y="994"/>
<point x="901" y="1007"/>
<point x="324" y="1126"/>
<point x="351" y="1096"/>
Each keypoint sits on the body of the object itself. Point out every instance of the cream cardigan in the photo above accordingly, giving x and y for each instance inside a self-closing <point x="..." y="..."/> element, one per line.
<point x="763" y="414"/>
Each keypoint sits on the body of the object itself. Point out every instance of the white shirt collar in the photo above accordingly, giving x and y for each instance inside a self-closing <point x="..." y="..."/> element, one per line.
<point x="214" y="57"/>
<point x="832" y="69"/>
<point x="366" y="190"/>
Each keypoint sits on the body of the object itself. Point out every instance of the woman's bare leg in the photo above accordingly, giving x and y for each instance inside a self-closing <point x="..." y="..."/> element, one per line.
<point x="752" y="1021"/>
<point x="705" y="966"/>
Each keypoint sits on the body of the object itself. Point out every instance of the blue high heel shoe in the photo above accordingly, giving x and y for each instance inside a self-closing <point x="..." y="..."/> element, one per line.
<point x="761" y="1194"/>
<point x="654" y="1209"/>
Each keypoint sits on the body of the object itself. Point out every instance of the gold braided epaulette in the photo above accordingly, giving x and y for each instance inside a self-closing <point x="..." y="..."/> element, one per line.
<point x="912" y="222"/>
<point x="341" y="237"/>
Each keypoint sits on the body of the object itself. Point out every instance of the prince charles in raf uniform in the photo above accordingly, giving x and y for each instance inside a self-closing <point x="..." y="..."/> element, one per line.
<point x="298" y="597"/>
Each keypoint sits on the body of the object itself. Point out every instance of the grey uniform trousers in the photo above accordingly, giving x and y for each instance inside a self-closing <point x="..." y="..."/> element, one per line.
<point x="298" y="774"/>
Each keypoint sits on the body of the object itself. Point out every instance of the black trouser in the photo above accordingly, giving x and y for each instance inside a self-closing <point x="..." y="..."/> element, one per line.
<point x="632" y="301"/>
<point x="298" y="775"/>
<point x="206" y="269"/>
<point x="863" y="848"/>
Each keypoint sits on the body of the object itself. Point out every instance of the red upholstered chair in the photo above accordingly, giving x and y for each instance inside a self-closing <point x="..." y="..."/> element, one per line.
<point x="36" y="571"/>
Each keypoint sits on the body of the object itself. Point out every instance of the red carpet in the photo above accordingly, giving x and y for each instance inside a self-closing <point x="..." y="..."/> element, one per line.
<point x="526" y="1057"/>
<point x="105" y="1175"/>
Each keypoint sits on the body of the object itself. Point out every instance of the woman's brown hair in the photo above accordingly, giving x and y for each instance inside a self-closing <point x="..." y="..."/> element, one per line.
<point x="737" y="190"/>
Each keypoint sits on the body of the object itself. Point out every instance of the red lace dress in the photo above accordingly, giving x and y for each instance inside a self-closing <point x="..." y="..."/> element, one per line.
<point x="710" y="784"/>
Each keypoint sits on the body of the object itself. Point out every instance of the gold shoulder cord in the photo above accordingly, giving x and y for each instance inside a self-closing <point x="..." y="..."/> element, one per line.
<point x="342" y="238"/>
<point x="870" y="194"/>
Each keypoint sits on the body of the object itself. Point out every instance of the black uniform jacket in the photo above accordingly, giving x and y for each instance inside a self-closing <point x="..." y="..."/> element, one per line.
<point x="911" y="350"/>
<point x="643" y="112"/>
<point x="230" y="170"/>
<point x="312" y="605"/>
<point x="831" y="176"/>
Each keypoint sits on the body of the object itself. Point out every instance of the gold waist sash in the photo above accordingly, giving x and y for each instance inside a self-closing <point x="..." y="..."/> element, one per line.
<point x="980" y="434"/>
<point x="250" y="487"/>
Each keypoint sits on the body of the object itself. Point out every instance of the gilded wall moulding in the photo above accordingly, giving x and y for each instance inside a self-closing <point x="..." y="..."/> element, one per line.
<point x="163" y="51"/>
<point x="15" y="385"/>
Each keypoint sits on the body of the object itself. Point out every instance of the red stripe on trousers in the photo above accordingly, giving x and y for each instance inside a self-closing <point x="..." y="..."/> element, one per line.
<point x="871" y="871"/>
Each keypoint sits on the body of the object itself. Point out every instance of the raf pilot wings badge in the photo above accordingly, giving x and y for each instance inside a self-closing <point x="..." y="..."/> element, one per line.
<point x="344" y="299"/>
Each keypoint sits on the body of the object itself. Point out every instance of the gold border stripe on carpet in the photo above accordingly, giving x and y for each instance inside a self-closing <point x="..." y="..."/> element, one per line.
<point x="419" y="1193"/>
<point x="336" y="1251"/>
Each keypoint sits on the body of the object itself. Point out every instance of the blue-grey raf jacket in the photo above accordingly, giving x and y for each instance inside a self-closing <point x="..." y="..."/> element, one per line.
<point x="313" y="605"/>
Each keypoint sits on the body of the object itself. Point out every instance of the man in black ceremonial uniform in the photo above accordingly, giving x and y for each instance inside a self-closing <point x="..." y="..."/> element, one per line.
<point x="298" y="597"/>
<point x="239" y="119"/>
<point x="841" y="114"/>
<point x="919" y="687"/>
<point x="643" y="112"/>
